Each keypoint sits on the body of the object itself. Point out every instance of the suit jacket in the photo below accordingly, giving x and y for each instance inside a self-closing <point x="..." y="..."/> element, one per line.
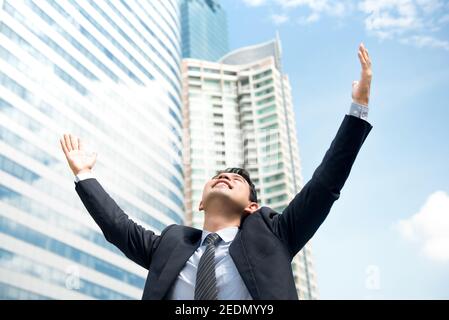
<point x="266" y="241"/>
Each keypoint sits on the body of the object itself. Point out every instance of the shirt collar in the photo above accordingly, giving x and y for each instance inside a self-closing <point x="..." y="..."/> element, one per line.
<point x="227" y="234"/>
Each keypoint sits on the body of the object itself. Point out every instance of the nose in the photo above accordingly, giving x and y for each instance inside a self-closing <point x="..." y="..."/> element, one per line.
<point x="224" y="176"/>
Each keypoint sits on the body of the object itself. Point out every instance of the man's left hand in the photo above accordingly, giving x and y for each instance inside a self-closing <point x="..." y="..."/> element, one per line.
<point x="361" y="88"/>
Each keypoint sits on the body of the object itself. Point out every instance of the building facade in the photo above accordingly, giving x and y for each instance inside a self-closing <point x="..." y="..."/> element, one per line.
<point x="203" y="30"/>
<point x="238" y="112"/>
<point x="108" y="72"/>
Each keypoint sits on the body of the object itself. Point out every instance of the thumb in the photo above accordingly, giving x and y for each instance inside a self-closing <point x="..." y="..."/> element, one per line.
<point x="354" y="83"/>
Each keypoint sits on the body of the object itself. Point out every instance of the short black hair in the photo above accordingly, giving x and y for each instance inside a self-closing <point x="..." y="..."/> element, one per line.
<point x="245" y="174"/>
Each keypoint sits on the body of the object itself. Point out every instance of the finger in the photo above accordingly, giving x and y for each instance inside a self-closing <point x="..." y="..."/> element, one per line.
<point x="68" y="144"/>
<point x="64" y="148"/>
<point x="364" y="51"/>
<point x="361" y="47"/>
<point x="365" y="55"/>
<point x="362" y="59"/>
<point x="80" y="144"/>
<point x="363" y="62"/>
<point x="74" y="142"/>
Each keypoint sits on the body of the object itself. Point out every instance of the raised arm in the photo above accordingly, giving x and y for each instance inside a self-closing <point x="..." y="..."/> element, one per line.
<point x="132" y="239"/>
<point x="310" y="207"/>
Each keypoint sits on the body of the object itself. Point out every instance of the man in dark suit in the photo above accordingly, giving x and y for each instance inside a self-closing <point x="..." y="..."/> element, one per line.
<point x="244" y="251"/>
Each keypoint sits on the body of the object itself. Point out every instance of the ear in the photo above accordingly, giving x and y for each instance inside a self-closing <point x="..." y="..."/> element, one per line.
<point x="251" y="208"/>
<point x="201" y="208"/>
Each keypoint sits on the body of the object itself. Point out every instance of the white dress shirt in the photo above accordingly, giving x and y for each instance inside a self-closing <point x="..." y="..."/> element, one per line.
<point x="230" y="284"/>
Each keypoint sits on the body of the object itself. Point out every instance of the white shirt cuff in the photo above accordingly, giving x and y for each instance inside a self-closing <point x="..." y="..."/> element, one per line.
<point x="83" y="176"/>
<point x="359" y="110"/>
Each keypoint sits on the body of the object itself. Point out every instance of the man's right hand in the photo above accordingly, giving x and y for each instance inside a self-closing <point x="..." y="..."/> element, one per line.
<point x="78" y="158"/>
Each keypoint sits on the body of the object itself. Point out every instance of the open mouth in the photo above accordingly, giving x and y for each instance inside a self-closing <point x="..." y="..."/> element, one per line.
<point x="222" y="183"/>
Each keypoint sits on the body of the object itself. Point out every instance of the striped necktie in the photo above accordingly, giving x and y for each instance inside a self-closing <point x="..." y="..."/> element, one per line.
<point x="206" y="282"/>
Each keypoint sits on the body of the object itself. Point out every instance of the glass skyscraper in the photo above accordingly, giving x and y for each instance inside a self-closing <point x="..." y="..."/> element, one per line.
<point x="238" y="112"/>
<point x="203" y="30"/>
<point x="108" y="72"/>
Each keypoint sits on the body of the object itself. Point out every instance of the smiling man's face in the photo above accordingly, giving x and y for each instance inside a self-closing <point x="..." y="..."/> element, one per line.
<point x="230" y="188"/>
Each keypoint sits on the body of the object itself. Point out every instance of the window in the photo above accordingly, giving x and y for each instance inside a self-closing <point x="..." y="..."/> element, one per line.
<point x="273" y="178"/>
<point x="265" y="91"/>
<point x="265" y="100"/>
<point x="211" y="70"/>
<point x="263" y="74"/>
<point x="276" y="188"/>
<point x="263" y="83"/>
<point x="268" y="109"/>
<point x="282" y="197"/>
<point x="268" y="119"/>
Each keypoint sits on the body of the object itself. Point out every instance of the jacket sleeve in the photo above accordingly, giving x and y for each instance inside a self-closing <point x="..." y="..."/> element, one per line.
<point x="132" y="239"/>
<point x="310" y="207"/>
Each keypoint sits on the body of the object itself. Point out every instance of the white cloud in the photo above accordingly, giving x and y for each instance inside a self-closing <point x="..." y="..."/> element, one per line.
<point x="313" y="17"/>
<point x="254" y="3"/>
<point x="430" y="6"/>
<point x="387" y="18"/>
<point x="410" y="21"/>
<point x="279" y="19"/>
<point x="429" y="228"/>
<point x="330" y="7"/>
<point x="413" y="22"/>
<point x="317" y="5"/>
<point x="427" y="41"/>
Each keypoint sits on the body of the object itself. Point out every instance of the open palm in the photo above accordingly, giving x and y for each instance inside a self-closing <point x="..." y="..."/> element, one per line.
<point x="361" y="88"/>
<point x="78" y="158"/>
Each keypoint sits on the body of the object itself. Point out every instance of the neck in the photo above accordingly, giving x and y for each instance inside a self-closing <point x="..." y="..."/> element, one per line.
<point x="216" y="220"/>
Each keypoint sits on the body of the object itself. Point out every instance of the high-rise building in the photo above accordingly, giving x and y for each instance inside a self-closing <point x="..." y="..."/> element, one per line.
<point x="108" y="72"/>
<point x="238" y="112"/>
<point x="203" y="30"/>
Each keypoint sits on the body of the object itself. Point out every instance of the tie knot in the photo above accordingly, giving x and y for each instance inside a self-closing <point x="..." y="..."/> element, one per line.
<point x="212" y="238"/>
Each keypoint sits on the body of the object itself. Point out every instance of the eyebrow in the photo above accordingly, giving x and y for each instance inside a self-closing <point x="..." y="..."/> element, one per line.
<point x="233" y="174"/>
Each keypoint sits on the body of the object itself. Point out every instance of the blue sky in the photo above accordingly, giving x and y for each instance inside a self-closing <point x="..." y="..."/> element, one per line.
<point x="387" y="237"/>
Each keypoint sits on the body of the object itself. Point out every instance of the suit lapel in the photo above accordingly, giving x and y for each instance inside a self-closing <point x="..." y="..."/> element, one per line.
<point x="175" y="262"/>
<point x="184" y="250"/>
<point x="241" y="260"/>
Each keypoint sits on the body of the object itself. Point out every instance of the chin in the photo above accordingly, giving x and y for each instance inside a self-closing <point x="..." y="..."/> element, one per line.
<point x="220" y="191"/>
<point x="219" y="194"/>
